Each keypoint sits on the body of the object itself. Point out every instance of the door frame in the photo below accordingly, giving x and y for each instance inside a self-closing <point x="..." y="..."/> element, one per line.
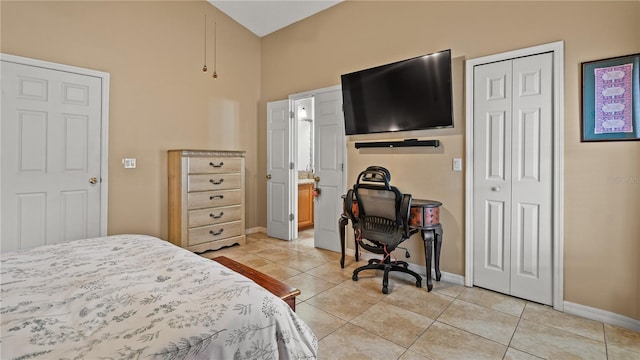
<point x="104" y="120"/>
<point x="557" y="48"/>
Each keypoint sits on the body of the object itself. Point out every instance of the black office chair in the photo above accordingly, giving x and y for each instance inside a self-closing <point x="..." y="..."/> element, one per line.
<point x="380" y="221"/>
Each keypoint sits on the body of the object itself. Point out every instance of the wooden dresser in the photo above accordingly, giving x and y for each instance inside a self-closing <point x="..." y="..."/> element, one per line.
<point x="206" y="198"/>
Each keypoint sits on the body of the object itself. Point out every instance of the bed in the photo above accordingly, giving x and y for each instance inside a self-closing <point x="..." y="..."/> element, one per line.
<point x="139" y="297"/>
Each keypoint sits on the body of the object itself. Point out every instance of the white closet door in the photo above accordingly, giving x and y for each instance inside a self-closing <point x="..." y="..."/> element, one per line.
<point x="278" y="170"/>
<point x="51" y="131"/>
<point x="329" y="147"/>
<point x="513" y="177"/>
<point x="492" y="176"/>
<point x="532" y="161"/>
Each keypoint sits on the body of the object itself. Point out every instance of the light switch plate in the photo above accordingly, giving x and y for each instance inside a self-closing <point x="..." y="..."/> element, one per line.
<point x="129" y="163"/>
<point x="457" y="164"/>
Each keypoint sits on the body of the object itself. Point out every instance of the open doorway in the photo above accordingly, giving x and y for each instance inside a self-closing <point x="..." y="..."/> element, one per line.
<point x="327" y="163"/>
<point x="304" y="116"/>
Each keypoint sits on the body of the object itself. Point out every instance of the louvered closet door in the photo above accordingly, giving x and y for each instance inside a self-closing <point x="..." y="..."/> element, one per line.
<point x="513" y="177"/>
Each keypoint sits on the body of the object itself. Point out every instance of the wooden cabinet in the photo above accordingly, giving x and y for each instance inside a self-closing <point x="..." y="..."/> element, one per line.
<point x="206" y="199"/>
<point x="305" y="206"/>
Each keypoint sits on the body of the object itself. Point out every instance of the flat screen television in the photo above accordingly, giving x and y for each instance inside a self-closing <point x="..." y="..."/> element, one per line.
<point x="412" y="94"/>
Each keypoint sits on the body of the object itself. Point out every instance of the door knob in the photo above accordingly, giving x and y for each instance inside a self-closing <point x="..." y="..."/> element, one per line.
<point x="268" y="177"/>
<point x="93" y="180"/>
<point x="495" y="188"/>
<point x="316" y="179"/>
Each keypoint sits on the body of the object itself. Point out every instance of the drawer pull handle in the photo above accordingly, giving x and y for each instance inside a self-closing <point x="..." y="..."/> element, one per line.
<point x="214" y="182"/>
<point x="217" y="216"/>
<point x="216" y="197"/>
<point x="218" y="165"/>
<point x="215" y="233"/>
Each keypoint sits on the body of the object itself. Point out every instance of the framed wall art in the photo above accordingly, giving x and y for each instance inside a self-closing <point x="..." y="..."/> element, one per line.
<point x="611" y="99"/>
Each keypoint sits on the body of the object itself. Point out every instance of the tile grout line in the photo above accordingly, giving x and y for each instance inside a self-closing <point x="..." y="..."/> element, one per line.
<point x="327" y="261"/>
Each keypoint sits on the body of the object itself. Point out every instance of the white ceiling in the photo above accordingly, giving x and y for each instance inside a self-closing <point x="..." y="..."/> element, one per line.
<point x="263" y="17"/>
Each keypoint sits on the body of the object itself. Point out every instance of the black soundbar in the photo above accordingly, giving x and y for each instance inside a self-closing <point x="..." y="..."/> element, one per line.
<point x="402" y="143"/>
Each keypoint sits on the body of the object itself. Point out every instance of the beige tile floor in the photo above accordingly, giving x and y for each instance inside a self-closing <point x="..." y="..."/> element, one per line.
<point x="354" y="320"/>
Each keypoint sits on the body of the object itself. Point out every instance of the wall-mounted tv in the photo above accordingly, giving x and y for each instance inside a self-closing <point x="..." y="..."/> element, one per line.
<point x="412" y="94"/>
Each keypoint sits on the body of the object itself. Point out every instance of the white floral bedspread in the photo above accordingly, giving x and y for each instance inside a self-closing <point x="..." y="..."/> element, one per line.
<point x="139" y="297"/>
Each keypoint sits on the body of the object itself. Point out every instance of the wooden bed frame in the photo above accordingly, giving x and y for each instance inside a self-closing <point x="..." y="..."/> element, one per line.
<point x="274" y="286"/>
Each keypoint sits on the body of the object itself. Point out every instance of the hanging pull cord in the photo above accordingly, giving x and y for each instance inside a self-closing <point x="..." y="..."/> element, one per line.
<point x="204" y="68"/>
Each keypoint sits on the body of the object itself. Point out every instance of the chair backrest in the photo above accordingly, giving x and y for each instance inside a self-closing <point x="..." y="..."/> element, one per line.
<point x="382" y="210"/>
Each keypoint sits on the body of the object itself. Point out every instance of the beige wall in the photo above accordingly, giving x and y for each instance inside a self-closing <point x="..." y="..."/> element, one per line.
<point x="602" y="191"/>
<point x="160" y="99"/>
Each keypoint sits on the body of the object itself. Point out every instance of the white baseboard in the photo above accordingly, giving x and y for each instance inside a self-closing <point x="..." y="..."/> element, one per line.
<point x="257" y="229"/>
<point x="587" y="312"/>
<point x="601" y="315"/>
<point x="420" y="269"/>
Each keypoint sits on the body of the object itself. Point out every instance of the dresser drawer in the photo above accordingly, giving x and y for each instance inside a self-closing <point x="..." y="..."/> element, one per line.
<point x="205" y="234"/>
<point x="213" y="216"/>
<point x="214" y="165"/>
<point x="207" y="199"/>
<point x="213" y="182"/>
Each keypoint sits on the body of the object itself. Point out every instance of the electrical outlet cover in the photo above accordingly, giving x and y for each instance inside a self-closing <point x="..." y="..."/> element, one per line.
<point x="457" y="164"/>
<point x="129" y="163"/>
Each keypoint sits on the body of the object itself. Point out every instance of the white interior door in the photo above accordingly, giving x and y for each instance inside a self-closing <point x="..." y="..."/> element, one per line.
<point x="279" y="150"/>
<point x="513" y="177"/>
<point x="51" y="156"/>
<point x="492" y="175"/>
<point x="329" y="149"/>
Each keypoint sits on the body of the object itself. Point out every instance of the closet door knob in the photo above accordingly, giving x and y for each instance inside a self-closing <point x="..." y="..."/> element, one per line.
<point x="495" y="188"/>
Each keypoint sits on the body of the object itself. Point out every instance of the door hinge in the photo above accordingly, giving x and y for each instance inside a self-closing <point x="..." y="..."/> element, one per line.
<point x="291" y="217"/>
<point x="342" y="167"/>
<point x="292" y="114"/>
<point x="292" y="165"/>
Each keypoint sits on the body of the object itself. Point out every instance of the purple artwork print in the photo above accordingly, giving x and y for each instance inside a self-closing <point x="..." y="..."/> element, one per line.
<point x="613" y="99"/>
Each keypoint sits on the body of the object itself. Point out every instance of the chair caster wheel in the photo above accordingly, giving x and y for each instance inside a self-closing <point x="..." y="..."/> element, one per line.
<point x="354" y="277"/>
<point x="419" y="284"/>
<point x="385" y="290"/>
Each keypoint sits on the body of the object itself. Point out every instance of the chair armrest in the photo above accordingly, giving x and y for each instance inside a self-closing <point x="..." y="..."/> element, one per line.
<point x="405" y="208"/>
<point x="347" y="206"/>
